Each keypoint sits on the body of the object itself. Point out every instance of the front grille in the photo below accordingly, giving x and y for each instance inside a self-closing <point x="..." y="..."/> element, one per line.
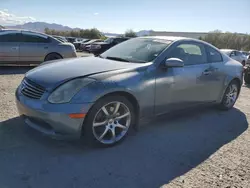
<point x="31" y="89"/>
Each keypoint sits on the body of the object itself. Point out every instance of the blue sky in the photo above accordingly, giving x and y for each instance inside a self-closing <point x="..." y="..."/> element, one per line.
<point x="120" y="15"/>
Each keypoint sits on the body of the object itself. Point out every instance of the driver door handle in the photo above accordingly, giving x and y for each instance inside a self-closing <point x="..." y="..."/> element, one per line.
<point x="14" y="48"/>
<point x="207" y="72"/>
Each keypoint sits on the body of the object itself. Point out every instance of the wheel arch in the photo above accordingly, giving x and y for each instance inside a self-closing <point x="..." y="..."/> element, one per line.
<point x="237" y="80"/>
<point x="53" y="53"/>
<point x="127" y="95"/>
<point x="228" y="81"/>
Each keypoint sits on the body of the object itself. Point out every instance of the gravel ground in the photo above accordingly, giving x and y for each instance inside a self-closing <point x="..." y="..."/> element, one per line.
<point x="203" y="148"/>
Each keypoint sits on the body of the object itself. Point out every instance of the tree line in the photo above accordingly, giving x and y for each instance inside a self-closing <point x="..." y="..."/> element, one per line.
<point x="81" y="33"/>
<point x="85" y="33"/>
<point x="228" y="40"/>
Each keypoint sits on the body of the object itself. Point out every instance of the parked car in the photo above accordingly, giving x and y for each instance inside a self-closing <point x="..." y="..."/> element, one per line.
<point x="236" y="55"/>
<point x="71" y="39"/>
<point x="102" y="98"/>
<point x="248" y="60"/>
<point x="245" y="53"/>
<point x="78" y="43"/>
<point x="84" y="45"/>
<point x="100" y="47"/>
<point x="27" y="47"/>
<point x="60" y="38"/>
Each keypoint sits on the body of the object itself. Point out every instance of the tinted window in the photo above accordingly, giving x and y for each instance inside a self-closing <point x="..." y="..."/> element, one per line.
<point x="238" y="53"/>
<point x="213" y="55"/>
<point x="9" y="37"/>
<point x="109" y="40"/>
<point x="34" y="38"/>
<point x="233" y="53"/>
<point x="189" y="53"/>
<point x="119" y="40"/>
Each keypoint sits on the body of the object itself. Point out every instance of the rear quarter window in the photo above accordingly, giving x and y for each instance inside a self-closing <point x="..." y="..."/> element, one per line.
<point x="213" y="55"/>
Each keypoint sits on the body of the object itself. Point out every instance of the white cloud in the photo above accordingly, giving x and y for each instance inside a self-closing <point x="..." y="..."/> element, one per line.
<point x="96" y="13"/>
<point x="7" y="18"/>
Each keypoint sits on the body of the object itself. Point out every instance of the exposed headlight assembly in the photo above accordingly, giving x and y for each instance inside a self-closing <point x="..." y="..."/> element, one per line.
<point x="65" y="92"/>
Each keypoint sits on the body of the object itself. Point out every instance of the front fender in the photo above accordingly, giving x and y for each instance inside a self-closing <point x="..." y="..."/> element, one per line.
<point x="98" y="89"/>
<point x="139" y="84"/>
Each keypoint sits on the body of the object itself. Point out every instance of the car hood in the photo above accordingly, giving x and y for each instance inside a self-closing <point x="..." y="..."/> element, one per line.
<point x="51" y="74"/>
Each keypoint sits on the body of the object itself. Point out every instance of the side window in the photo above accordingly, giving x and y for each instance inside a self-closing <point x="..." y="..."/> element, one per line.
<point x="213" y="55"/>
<point x="238" y="53"/>
<point x="190" y="53"/>
<point x="116" y="41"/>
<point x="9" y="37"/>
<point x="30" y="38"/>
<point x="232" y="54"/>
<point x="123" y="39"/>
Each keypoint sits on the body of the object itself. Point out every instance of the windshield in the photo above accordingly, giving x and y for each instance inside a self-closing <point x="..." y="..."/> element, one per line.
<point x="137" y="49"/>
<point x="109" y="40"/>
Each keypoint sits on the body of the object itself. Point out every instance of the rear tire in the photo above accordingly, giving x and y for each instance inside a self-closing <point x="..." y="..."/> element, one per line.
<point x="52" y="56"/>
<point x="230" y="96"/>
<point x="101" y="125"/>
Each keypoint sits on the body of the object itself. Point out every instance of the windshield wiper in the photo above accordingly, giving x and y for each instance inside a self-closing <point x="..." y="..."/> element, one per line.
<point x="138" y="61"/>
<point x="117" y="59"/>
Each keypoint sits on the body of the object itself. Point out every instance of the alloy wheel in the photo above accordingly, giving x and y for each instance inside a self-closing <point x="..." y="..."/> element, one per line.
<point x="231" y="95"/>
<point x="111" y="122"/>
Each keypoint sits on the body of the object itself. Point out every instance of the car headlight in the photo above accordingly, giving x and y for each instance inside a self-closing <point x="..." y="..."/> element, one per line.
<point x="67" y="91"/>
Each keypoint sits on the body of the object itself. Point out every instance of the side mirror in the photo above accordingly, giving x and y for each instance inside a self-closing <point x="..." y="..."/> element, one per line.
<point x="174" y="62"/>
<point x="232" y="55"/>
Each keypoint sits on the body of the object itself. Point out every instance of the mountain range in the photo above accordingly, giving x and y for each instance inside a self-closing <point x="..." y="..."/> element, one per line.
<point x="40" y="26"/>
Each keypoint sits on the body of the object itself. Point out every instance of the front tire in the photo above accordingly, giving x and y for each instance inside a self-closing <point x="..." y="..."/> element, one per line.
<point x="230" y="96"/>
<point x="109" y="121"/>
<point x="52" y="56"/>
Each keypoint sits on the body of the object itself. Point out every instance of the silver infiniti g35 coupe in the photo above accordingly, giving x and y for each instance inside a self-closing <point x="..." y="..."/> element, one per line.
<point x="102" y="98"/>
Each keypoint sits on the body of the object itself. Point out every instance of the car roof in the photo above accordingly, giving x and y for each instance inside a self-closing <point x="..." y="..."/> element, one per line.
<point x="25" y="30"/>
<point x="177" y="38"/>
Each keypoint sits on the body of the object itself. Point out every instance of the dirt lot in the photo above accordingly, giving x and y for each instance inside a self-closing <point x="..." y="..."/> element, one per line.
<point x="203" y="148"/>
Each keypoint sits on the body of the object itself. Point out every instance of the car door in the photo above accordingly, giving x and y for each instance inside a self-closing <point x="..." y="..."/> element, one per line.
<point x="9" y="47"/>
<point x="216" y="73"/>
<point x="33" y="47"/>
<point x="181" y="87"/>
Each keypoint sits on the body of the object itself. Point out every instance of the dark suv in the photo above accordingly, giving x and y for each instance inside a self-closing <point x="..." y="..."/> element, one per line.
<point x="100" y="47"/>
